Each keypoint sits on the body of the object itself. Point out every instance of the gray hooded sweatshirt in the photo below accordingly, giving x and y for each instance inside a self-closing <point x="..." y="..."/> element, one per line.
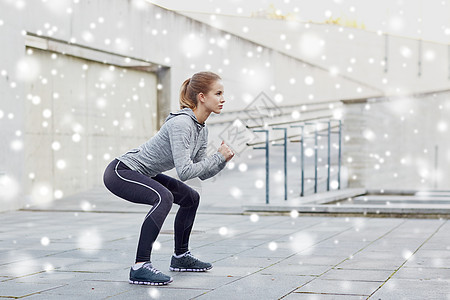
<point x="180" y="143"/>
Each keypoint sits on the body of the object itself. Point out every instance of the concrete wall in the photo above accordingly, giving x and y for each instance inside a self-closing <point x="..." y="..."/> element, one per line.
<point x="11" y="112"/>
<point x="132" y="35"/>
<point x="77" y="113"/>
<point x="398" y="142"/>
<point x="387" y="63"/>
<point x="148" y="42"/>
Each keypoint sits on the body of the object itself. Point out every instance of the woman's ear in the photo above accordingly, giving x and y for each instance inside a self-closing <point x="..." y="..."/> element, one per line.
<point x="201" y="97"/>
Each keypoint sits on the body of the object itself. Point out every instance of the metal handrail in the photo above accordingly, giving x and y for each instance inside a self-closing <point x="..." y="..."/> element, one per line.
<point x="291" y="122"/>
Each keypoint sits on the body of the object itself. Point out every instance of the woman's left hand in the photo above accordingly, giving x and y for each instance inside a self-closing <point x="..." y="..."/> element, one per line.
<point x="226" y="151"/>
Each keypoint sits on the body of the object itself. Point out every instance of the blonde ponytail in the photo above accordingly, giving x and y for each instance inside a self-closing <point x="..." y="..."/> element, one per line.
<point x="199" y="83"/>
<point x="185" y="101"/>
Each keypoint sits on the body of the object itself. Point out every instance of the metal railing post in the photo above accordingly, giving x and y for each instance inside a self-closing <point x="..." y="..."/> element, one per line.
<point x="302" y="158"/>
<point x="285" y="159"/>
<point x="339" y="155"/>
<point x="329" y="156"/>
<point x="316" y="152"/>
<point x="267" y="160"/>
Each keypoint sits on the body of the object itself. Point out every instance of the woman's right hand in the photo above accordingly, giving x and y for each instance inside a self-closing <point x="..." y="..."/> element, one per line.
<point x="226" y="151"/>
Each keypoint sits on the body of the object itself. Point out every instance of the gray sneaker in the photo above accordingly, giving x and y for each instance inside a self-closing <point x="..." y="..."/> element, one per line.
<point x="149" y="276"/>
<point x="188" y="263"/>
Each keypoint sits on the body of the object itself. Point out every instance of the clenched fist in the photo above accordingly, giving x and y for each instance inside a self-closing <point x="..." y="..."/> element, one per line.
<point x="226" y="151"/>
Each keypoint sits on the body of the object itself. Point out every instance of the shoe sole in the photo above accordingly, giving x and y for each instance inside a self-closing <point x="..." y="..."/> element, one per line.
<point x="189" y="270"/>
<point x="149" y="283"/>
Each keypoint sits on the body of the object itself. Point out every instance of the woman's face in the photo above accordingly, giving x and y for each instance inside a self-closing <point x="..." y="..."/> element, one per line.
<point x="214" y="98"/>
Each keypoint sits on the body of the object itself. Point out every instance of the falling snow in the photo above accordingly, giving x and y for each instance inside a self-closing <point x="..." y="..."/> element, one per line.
<point x="72" y="109"/>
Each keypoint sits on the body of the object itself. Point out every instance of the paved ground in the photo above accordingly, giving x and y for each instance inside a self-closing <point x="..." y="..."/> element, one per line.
<point x="82" y="248"/>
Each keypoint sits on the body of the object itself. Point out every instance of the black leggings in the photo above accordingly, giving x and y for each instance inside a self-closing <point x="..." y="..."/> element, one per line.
<point x="160" y="192"/>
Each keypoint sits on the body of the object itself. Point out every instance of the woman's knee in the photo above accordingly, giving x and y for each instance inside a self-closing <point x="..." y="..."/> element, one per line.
<point x="195" y="196"/>
<point x="166" y="199"/>
<point x="188" y="198"/>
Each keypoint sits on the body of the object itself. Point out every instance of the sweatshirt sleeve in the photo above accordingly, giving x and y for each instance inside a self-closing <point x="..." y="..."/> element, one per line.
<point x="201" y="155"/>
<point x="179" y="136"/>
